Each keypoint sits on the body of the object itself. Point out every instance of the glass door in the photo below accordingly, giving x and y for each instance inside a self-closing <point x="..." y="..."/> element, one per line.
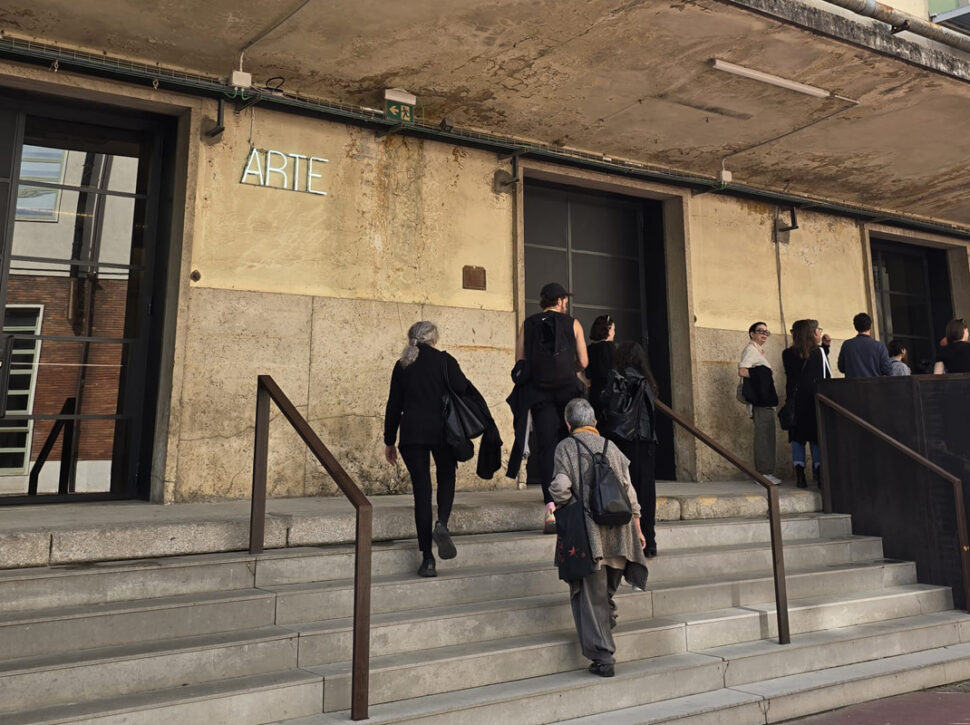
<point x="76" y="291"/>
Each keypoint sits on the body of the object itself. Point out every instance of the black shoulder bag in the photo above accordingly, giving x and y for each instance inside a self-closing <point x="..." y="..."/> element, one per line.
<point x="461" y="424"/>
<point x="574" y="555"/>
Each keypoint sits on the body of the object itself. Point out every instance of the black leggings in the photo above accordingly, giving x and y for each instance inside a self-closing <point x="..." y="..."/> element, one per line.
<point x="549" y="428"/>
<point x="417" y="458"/>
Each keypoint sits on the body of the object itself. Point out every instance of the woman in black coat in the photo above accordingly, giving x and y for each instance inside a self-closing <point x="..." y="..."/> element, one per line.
<point x="600" y="351"/>
<point x="414" y="405"/>
<point x="806" y="364"/>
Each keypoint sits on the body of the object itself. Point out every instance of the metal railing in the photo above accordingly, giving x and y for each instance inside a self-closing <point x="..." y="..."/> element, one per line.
<point x="266" y="390"/>
<point x="774" y="516"/>
<point x="67" y="452"/>
<point x="955" y="482"/>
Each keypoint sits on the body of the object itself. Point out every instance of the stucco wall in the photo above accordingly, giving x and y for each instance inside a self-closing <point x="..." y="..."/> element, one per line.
<point x="319" y="291"/>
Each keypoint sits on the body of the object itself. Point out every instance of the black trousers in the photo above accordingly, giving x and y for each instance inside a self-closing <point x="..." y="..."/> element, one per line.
<point x="549" y="427"/>
<point x="643" y="461"/>
<point x="417" y="459"/>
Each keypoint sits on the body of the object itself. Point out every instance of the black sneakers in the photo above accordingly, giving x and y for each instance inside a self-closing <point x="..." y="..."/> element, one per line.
<point x="603" y="669"/>
<point x="446" y="547"/>
<point x="427" y="568"/>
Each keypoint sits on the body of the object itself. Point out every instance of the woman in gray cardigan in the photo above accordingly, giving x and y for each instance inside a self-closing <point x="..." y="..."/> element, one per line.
<point x="617" y="550"/>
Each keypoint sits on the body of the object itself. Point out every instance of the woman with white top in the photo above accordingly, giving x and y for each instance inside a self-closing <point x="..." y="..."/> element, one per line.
<point x="757" y="389"/>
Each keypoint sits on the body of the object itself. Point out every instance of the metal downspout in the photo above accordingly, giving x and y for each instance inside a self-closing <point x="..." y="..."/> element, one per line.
<point x="904" y="21"/>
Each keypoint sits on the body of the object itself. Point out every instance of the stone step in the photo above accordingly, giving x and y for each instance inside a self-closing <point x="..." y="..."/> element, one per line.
<point x="781" y="699"/>
<point x="682" y="688"/>
<point x="294" y="566"/>
<point x="758" y="621"/>
<point x="27" y="634"/>
<point x="249" y="700"/>
<point x="96" y="583"/>
<point x="431" y="671"/>
<point x="34" y="682"/>
<point x="314" y="601"/>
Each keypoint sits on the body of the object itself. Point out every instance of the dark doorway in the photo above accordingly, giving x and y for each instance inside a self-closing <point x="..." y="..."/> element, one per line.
<point x="608" y="250"/>
<point x="913" y="298"/>
<point x="82" y="230"/>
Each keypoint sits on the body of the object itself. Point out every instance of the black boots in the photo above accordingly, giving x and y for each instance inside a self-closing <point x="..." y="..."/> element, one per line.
<point x="446" y="547"/>
<point x="800" y="477"/>
<point x="817" y="475"/>
<point x="427" y="567"/>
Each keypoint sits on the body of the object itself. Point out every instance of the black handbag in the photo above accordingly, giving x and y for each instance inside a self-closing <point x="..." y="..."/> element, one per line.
<point x="461" y="423"/>
<point x="574" y="555"/>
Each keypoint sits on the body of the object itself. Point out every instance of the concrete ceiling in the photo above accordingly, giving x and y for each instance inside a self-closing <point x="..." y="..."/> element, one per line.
<point x="626" y="79"/>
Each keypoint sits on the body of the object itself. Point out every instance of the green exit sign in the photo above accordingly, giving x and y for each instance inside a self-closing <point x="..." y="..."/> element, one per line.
<point x="395" y="111"/>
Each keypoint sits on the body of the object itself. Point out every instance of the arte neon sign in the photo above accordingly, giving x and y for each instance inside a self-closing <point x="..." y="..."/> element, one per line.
<point x="278" y="170"/>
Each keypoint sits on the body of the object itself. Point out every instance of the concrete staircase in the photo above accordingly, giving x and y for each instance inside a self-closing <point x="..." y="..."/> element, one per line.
<point x="231" y="638"/>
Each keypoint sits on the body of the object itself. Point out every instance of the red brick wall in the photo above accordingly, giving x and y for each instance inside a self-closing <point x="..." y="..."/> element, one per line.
<point x="57" y="382"/>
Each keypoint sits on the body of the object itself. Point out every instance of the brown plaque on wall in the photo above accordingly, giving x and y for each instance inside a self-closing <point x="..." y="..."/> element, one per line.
<point x="472" y="277"/>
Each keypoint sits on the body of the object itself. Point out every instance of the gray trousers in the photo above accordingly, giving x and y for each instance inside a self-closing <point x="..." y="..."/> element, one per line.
<point x="764" y="439"/>
<point x="594" y="612"/>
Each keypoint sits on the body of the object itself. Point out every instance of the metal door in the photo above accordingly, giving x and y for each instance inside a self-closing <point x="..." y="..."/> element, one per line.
<point x="79" y="194"/>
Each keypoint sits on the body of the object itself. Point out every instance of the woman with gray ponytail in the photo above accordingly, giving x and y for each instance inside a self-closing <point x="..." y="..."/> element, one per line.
<point x="414" y="406"/>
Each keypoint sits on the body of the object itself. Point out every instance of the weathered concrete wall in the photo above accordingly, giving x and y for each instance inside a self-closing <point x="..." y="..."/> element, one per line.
<point x="319" y="291"/>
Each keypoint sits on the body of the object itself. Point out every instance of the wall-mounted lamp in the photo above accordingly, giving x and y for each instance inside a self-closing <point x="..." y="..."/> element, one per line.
<point x="757" y="75"/>
<point x="780" y="226"/>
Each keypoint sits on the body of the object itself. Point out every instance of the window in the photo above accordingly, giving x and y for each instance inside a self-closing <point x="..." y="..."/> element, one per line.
<point x="40" y="203"/>
<point x="15" y="435"/>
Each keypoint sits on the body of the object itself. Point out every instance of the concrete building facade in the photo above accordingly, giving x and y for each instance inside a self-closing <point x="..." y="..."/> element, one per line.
<point x="302" y="244"/>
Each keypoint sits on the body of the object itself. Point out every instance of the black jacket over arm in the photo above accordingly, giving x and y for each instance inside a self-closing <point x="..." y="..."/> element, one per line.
<point x="414" y="401"/>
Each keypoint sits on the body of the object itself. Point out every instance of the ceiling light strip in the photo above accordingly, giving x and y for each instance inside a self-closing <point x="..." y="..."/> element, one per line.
<point x="757" y="75"/>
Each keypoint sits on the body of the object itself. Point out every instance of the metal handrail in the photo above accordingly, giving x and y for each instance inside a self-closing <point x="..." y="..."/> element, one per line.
<point x="926" y="463"/>
<point x="774" y="517"/>
<point x="267" y="389"/>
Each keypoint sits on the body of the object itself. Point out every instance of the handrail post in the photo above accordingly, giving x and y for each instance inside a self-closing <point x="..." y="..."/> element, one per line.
<point x="362" y="586"/>
<point x="826" y="458"/>
<point x="778" y="565"/>
<point x="257" y="516"/>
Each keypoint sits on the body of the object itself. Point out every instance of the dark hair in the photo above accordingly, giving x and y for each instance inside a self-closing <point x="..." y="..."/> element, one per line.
<point x="955" y="330"/>
<point x="804" y="334"/>
<point x="600" y="328"/>
<point x="545" y="302"/>
<point x="754" y="326"/>
<point x="896" y="347"/>
<point x="631" y="354"/>
<point x="862" y="322"/>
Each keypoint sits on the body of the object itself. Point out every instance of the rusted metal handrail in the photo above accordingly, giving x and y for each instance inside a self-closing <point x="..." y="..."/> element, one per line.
<point x="774" y="516"/>
<point x="267" y="389"/>
<point x="926" y="463"/>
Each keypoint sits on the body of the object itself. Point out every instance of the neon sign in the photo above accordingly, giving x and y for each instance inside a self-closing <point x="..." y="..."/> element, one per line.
<point x="277" y="170"/>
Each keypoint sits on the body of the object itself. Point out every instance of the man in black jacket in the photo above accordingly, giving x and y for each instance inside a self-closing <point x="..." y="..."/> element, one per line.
<point x="553" y="348"/>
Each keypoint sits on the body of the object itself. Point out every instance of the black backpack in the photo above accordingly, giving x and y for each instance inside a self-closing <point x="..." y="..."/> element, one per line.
<point x="608" y="502"/>
<point x="627" y="407"/>
<point x="551" y="350"/>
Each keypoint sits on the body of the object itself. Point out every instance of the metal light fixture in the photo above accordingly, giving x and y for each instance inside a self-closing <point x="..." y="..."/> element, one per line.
<point x="757" y="75"/>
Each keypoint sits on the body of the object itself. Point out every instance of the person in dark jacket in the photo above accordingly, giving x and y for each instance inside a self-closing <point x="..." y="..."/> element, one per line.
<point x="862" y="356"/>
<point x="805" y="366"/>
<point x="414" y="405"/>
<point x="954" y="357"/>
<point x="638" y="444"/>
<point x="758" y="391"/>
<point x="600" y="352"/>
<point x="551" y="346"/>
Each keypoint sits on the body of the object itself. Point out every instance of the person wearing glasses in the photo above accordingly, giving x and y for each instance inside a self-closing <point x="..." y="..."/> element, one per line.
<point x="757" y="390"/>
<point x="955" y="356"/>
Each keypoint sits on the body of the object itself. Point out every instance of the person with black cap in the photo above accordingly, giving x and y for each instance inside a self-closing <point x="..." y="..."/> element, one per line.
<point x="550" y="351"/>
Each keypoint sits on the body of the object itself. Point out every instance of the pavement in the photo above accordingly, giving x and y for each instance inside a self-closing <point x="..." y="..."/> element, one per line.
<point x="948" y="705"/>
<point x="56" y="534"/>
